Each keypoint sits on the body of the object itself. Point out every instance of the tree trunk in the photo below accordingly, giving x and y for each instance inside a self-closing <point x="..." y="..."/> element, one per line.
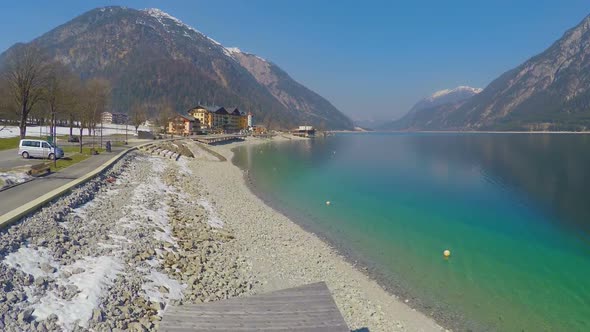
<point x="23" y="131"/>
<point x="23" y="123"/>
<point x="81" y="130"/>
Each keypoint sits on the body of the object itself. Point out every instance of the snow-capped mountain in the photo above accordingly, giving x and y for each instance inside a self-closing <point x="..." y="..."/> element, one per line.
<point x="427" y="108"/>
<point x="550" y="91"/>
<point x="446" y="96"/>
<point x="151" y="57"/>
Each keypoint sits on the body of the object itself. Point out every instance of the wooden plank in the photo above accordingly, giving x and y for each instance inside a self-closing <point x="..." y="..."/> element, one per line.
<point x="306" y="308"/>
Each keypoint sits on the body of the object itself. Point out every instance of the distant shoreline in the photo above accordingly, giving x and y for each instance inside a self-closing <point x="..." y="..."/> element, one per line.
<point x="460" y="132"/>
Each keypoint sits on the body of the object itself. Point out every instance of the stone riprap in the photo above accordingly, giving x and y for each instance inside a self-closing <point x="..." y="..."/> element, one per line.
<point x="152" y="232"/>
<point x="116" y="251"/>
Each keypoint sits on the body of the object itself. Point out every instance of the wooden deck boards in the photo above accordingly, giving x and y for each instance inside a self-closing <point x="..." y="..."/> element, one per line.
<point x="305" y="308"/>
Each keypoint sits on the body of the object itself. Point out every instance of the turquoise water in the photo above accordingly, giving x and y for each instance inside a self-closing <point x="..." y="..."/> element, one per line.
<point x="513" y="209"/>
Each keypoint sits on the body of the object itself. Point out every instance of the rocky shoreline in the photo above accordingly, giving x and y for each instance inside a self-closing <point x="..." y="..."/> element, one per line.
<point x="115" y="252"/>
<point x="151" y="232"/>
<point x="283" y="254"/>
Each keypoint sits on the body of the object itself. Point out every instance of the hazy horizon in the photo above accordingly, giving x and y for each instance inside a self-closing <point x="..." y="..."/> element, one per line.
<point x="370" y="61"/>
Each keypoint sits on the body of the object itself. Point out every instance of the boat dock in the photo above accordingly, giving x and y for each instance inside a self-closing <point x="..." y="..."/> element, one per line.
<point x="215" y="139"/>
<point x="306" y="308"/>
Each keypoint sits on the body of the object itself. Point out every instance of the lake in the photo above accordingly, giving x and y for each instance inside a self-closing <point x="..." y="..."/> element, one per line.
<point x="513" y="209"/>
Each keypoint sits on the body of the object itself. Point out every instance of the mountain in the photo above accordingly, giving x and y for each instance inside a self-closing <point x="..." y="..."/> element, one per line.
<point x="427" y="111"/>
<point x="446" y="96"/>
<point x="151" y="57"/>
<point x="287" y="91"/>
<point x="550" y="91"/>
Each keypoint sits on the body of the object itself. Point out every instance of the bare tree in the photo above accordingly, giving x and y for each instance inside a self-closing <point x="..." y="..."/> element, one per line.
<point x="137" y="115"/>
<point x="72" y="113"/>
<point x="165" y="115"/>
<point x="26" y="76"/>
<point x="6" y="106"/>
<point x="95" y="99"/>
<point x="60" y="94"/>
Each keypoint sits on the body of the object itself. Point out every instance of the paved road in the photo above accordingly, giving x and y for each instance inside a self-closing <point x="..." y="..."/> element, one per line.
<point x="19" y="195"/>
<point x="11" y="159"/>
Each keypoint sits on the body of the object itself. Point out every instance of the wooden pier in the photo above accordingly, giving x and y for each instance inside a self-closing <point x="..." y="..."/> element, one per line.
<point x="214" y="139"/>
<point x="305" y="308"/>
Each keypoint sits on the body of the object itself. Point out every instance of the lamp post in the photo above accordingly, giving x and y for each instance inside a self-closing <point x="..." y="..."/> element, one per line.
<point x="54" y="136"/>
<point x="101" y="132"/>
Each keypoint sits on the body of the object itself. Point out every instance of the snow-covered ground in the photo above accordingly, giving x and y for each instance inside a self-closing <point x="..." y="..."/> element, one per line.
<point x="39" y="131"/>
<point x="8" y="179"/>
<point x="89" y="277"/>
<point x="117" y="257"/>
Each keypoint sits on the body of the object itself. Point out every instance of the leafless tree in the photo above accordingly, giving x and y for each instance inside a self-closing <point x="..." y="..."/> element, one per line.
<point x="166" y="113"/>
<point x="6" y="106"/>
<point x="26" y="75"/>
<point x="94" y="101"/>
<point x="137" y="115"/>
<point x="72" y="113"/>
<point x="60" y="94"/>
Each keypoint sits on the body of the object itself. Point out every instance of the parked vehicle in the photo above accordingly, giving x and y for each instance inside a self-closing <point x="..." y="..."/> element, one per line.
<point x="34" y="148"/>
<point x="73" y="139"/>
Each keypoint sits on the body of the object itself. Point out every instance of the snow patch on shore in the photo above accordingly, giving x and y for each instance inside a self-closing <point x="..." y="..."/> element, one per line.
<point x="30" y="261"/>
<point x="95" y="275"/>
<point x="213" y="220"/>
<point x="11" y="178"/>
<point x="157" y="280"/>
<point x="99" y="273"/>
<point x="82" y="210"/>
<point x="183" y="165"/>
<point x="158" y="165"/>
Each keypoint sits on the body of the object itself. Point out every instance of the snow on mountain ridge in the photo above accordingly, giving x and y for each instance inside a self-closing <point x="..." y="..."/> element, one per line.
<point x="160" y="15"/>
<point x="233" y="50"/>
<point x="236" y="51"/>
<point x="461" y="88"/>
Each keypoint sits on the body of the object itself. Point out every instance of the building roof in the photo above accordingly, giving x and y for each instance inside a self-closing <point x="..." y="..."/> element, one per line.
<point x="196" y="107"/>
<point x="218" y="110"/>
<point x="221" y="111"/>
<point x="210" y="109"/>
<point x="185" y="116"/>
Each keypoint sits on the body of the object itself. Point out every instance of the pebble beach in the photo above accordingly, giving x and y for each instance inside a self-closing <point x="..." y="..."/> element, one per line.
<point x="153" y="232"/>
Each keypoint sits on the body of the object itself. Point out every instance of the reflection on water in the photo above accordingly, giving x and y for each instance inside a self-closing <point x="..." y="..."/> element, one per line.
<point x="512" y="209"/>
<point x="552" y="170"/>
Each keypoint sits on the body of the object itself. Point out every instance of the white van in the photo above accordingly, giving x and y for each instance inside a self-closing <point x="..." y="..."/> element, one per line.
<point x="38" y="149"/>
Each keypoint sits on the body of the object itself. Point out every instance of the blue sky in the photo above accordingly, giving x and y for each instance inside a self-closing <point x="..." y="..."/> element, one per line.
<point x="369" y="58"/>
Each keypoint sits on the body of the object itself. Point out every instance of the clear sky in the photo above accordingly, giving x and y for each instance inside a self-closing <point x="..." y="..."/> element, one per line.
<point x="369" y="58"/>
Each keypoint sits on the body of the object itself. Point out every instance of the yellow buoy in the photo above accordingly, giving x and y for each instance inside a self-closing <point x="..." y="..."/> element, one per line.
<point x="447" y="253"/>
<point x="328" y="203"/>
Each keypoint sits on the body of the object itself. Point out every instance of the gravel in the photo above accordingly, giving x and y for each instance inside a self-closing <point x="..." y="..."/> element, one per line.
<point x="153" y="232"/>
<point x="116" y="252"/>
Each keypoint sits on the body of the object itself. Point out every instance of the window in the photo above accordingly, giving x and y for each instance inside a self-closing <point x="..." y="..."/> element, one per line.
<point x="45" y="145"/>
<point x="32" y="144"/>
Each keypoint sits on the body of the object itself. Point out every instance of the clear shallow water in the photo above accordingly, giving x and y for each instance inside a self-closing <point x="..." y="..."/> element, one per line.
<point x="513" y="209"/>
